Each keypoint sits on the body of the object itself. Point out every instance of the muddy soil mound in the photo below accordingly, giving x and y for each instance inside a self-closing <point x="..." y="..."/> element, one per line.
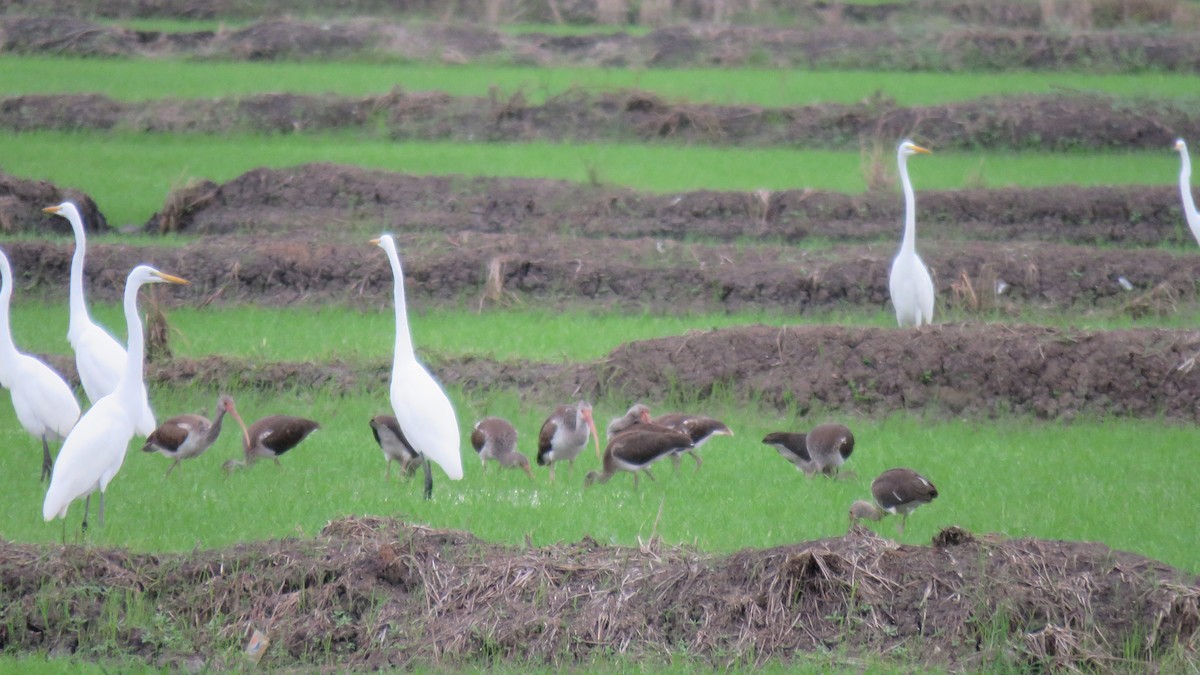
<point x="1011" y="13"/>
<point x="832" y="46"/>
<point x="370" y="593"/>
<point x="975" y="370"/>
<point x="331" y="198"/>
<point x="484" y="270"/>
<point x="22" y="201"/>
<point x="1034" y="122"/>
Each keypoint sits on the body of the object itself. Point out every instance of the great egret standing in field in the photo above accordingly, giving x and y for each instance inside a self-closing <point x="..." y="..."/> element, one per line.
<point x="44" y="403"/>
<point x="95" y="449"/>
<point x="1185" y="189"/>
<point x="910" y="285"/>
<point x="421" y="406"/>
<point x="99" y="358"/>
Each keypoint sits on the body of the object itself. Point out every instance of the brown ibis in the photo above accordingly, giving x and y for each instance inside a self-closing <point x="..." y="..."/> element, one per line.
<point x="270" y="437"/>
<point x="189" y="436"/>
<point x="496" y="439"/>
<point x="564" y="435"/>
<point x="699" y="427"/>
<point x="896" y="491"/>
<point x="822" y="450"/>
<point x="636" y="449"/>
<point x="638" y="413"/>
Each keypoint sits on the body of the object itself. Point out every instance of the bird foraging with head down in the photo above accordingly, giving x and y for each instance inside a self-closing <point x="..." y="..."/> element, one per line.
<point x="896" y="491"/>
<point x="636" y="449"/>
<point x="495" y="439"/>
<point x="823" y="450"/>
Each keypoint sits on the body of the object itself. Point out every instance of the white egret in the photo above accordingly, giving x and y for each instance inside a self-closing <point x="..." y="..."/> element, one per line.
<point x="99" y="358"/>
<point x="421" y="407"/>
<point x="1185" y="189"/>
<point x="910" y="285"/>
<point x="42" y="399"/>
<point x="95" y="449"/>
<point x="896" y="491"/>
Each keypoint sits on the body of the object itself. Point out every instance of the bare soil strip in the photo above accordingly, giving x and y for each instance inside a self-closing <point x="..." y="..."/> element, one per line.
<point x="973" y="370"/>
<point x="1068" y="122"/>
<point x="963" y="48"/>
<point x="372" y="593"/>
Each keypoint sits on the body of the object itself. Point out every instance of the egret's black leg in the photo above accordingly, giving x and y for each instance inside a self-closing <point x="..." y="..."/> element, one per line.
<point x="428" y="480"/>
<point x="47" y="463"/>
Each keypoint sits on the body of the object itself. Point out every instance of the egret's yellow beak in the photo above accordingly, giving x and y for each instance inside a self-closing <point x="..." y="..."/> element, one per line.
<point x="919" y="149"/>
<point x="169" y="278"/>
<point x="52" y="209"/>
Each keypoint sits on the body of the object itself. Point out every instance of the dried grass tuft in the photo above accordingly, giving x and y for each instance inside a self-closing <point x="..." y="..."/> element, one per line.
<point x="1160" y="301"/>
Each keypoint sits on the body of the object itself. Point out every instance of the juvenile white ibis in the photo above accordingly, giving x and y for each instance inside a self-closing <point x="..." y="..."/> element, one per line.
<point x="638" y="413"/>
<point x="270" y="437"/>
<point x="42" y="399"/>
<point x="496" y="439"/>
<point x="635" y="449"/>
<point x="422" y="408"/>
<point x="822" y="450"/>
<point x="95" y="448"/>
<point x="99" y="358"/>
<point x="910" y="285"/>
<point x="391" y="440"/>
<point x="189" y="436"/>
<point x="699" y="427"/>
<point x="1185" y="189"/>
<point x="564" y="435"/>
<point x="896" y="491"/>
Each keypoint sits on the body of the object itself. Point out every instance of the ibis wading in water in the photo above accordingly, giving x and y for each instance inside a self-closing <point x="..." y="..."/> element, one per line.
<point x="99" y="358"/>
<point x="94" y="450"/>
<point x="910" y="285"/>
<point x="41" y="398"/>
<point x="896" y="491"/>
<point x="636" y="449"/>
<point x="496" y="439"/>
<point x="822" y="450"/>
<point x="1185" y="189"/>
<point x="421" y="406"/>
<point x="565" y="434"/>
<point x="270" y="437"/>
<point x="189" y="436"/>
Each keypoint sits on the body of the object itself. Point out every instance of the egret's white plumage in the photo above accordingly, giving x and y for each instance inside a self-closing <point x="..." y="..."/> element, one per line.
<point x="421" y="406"/>
<point x="910" y="285"/>
<point x="1185" y="189"/>
<point x="44" y="403"/>
<point x="99" y="358"/>
<point x="95" y="449"/>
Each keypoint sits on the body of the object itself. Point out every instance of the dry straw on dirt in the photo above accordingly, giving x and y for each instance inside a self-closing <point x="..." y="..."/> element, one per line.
<point x="376" y="593"/>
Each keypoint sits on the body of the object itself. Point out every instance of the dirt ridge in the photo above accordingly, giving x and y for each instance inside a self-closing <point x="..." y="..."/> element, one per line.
<point x="372" y="593"/>
<point x="846" y="47"/>
<point x="974" y="370"/>
<point x="1042" y="122"/>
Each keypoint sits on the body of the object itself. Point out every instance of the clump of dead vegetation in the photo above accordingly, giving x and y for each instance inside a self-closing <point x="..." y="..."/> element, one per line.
<point x="379" y="593"/>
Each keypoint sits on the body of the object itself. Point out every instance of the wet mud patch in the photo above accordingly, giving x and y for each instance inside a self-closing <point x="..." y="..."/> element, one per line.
<point x="373" y="593"/>
<point x="1049" y="122"/>
<point x="959" y="48"/>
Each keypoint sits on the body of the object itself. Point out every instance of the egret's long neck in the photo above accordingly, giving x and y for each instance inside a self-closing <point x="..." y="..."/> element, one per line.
<point x="8" y="351"/>
<point x="131" y="387"/>
<point x="910" y="210"/>
<point x="404" y="344"/>
<point x="79" y="311"/>
<point x="1185" y="190"/>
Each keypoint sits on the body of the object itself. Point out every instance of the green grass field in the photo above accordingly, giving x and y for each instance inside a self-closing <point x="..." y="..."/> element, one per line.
<point x="137" y="80"/>
<point x="130" y="175"/>
<point x="993" y="477"/>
